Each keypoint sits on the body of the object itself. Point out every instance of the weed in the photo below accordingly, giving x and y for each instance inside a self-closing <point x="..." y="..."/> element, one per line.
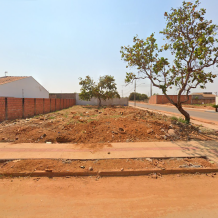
<point x="180" y="120"/>
<point x="174" y="118"/>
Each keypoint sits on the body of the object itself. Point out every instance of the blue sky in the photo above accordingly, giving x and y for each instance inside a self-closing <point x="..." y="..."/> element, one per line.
<point x="58" y="41"/>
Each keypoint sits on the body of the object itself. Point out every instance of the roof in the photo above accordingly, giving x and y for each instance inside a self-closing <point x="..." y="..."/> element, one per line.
<point x="204" y="95"/>
<point x="8" y="79"/>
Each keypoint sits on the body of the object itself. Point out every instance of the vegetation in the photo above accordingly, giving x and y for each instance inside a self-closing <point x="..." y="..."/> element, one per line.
<point x="180" y="120"/>
<point x="138" y="96"/>
<point x="215" y="105"/>
<point x="193" y="44"/>
<point x="105" y="89"/>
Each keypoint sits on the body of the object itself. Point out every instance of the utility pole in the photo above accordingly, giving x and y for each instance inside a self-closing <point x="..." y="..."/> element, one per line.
<point x="135" y="94"/>
<point x="122" y="90"/>
<point x="151" y="89"/>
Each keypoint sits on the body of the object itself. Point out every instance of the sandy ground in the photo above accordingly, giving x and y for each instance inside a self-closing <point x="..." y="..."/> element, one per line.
<point x="169" y="196"/>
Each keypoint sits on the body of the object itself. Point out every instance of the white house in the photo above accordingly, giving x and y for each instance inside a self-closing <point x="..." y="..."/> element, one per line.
<point x="21" y="87"/>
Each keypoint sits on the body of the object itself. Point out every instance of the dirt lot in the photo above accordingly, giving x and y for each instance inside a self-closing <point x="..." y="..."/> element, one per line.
<point x="87" y="124"/>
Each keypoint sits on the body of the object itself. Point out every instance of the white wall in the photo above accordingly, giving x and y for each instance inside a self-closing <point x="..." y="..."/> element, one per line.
<point x="94" y="101"/>
<point x="216" y="100"/>
<point x="23" y="88"/>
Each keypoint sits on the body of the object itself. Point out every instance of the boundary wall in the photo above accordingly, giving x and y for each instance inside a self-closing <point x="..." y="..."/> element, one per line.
<point x="95" y="101"/>
<point x="14" y="108"/>
<point x="161" y="99"/>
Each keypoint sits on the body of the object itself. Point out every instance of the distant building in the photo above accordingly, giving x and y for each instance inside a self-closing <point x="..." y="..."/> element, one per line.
<point x="194" y="98"/>
<point x="21" y="87"/>
<point x="203" y="96"/>
<point x="63" y="95"/>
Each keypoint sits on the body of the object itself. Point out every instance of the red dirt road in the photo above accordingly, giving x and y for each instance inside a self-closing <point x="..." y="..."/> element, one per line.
<point x="169" y="196"/>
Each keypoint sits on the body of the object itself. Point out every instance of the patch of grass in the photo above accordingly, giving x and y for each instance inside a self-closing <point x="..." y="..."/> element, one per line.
<point x="174" y="118"/>
<point x="180" y="120"/>
<point x="51" y="117"/>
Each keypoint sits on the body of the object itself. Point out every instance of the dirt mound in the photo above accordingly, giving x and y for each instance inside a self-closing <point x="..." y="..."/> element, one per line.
<point x="82" y="124"/>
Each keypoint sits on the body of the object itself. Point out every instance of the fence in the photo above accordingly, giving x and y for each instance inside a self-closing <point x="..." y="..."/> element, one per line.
<point x="203" y="101"/>
<point x="95" y="101"/>
<point x="162" y="99"/>
<point x="14" y="108"/>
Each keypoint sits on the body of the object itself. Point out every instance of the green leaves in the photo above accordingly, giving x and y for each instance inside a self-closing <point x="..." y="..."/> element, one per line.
<point x="193" y="44"/>
<point x="105" y="89"/>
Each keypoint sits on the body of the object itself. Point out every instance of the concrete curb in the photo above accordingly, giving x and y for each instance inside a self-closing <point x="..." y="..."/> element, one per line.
<point x="111" y="173"/>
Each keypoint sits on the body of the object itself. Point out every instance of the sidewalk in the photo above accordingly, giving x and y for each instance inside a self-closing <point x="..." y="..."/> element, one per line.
<point x="116" y="150"/>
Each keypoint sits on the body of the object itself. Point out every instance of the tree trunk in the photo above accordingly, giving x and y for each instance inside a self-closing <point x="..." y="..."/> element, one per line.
<point x="184" y="113"/>
<point x="99" y="103"/>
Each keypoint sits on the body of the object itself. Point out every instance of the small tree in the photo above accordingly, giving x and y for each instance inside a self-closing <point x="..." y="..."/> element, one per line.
<point x="194" y="46"/>
<point x="105" y="89"/>
<point x="138" y="96"/>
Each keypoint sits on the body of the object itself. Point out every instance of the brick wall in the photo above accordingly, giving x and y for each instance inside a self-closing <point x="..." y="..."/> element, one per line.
<point x="63" y="95"/>
<point x="29" y="105"/>
<point x="162" y="99"/>
<point x="2" y="109"/>
<point x="53" y="104"/>
<point x="46" y="105"/>
<point x="203" y="101"/>
<point x="153" y="99"/>
<point x="58" y="102"/>
<point x="13" y="108"/>
<point x="39" y="106"/>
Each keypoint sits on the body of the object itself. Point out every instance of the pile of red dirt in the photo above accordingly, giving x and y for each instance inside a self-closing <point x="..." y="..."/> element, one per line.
<point x="87" y="124"/>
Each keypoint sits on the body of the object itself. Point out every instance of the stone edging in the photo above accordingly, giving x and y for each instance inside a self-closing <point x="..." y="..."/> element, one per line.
<point x="111" y="173"/>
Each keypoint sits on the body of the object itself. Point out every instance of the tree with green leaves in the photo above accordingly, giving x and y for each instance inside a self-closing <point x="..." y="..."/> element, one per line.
<point x="105" y="89"/>
<point x="193" y="44"/>
<point x="138" y="96"/>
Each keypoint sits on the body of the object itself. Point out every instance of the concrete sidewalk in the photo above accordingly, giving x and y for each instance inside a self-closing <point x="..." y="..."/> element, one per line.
<point x="115" y="150"/>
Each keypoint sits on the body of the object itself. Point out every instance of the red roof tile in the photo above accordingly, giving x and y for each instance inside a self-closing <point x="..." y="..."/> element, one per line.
<point x="8" y="79"/>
